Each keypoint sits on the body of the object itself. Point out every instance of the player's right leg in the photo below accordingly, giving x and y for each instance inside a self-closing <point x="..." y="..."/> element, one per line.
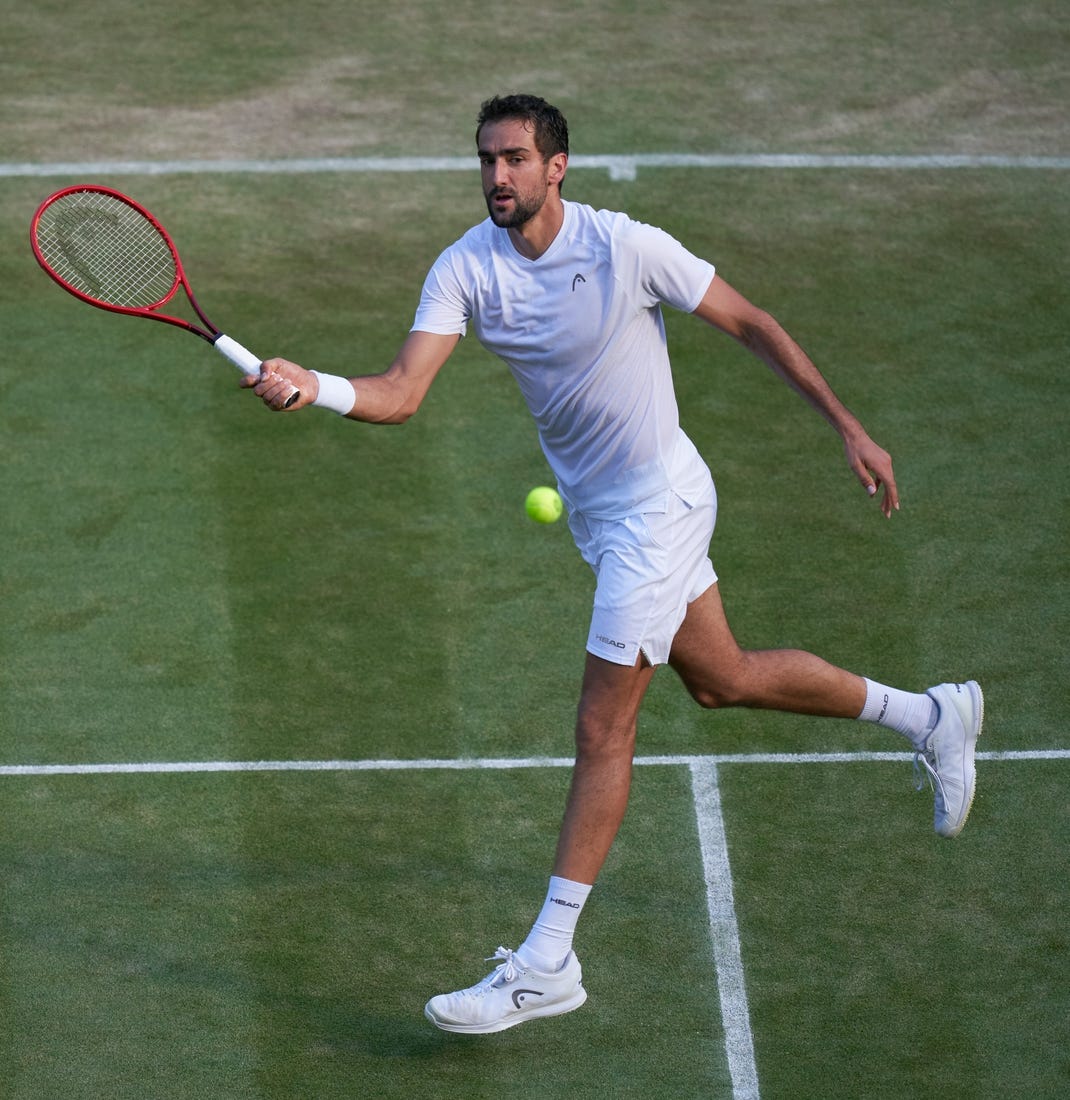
<point x="510" y="994"/>
<point x="530" y="982"/>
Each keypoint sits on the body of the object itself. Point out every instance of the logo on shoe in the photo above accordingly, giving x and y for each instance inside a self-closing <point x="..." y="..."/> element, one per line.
<point x="520" y="994"/>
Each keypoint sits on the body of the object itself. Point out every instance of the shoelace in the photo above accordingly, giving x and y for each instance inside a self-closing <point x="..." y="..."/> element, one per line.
<point x="506" y="971"/>
<point x="924" y="768"/>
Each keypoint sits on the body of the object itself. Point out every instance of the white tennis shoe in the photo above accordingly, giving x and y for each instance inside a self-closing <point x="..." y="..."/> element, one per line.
<point x="948" y="756"/>
<point x="509" y="995"/>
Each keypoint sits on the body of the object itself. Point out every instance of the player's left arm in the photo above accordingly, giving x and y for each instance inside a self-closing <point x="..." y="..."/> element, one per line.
<point x="760" y="333"/>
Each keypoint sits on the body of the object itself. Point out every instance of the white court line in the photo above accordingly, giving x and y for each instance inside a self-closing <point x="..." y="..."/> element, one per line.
<point x="724" y="931"/>
<point x="620" y="166"/>
<point x="490" y="763"/>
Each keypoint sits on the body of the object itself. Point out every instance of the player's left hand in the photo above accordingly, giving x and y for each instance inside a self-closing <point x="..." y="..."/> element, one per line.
<point x="872" y="465"/>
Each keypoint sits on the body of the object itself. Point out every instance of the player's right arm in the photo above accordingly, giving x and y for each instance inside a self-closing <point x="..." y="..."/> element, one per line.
<point x="387" y="398"/>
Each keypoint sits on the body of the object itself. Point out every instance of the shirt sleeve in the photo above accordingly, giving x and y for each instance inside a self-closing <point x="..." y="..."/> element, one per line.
<point x="444" y="307"/>
<point x="663" y="270"/>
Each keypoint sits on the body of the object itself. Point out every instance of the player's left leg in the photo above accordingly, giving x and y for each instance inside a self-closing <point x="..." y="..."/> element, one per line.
<point x="718" y="673"/>
<point x="943" y="724"/>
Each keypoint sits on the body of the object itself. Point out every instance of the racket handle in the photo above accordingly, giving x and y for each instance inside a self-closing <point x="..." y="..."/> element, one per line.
<point x="241" y="357"/>
<point x="244" y="360"/>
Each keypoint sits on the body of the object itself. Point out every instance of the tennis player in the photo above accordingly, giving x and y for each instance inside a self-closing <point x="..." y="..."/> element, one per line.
<point x="571" y="299"/>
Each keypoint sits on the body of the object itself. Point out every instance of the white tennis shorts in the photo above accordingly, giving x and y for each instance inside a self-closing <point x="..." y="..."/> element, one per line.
<point x="649" y="566"/>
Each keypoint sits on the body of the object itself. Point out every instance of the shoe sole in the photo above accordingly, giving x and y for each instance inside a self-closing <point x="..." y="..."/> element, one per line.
<point x="978" y="699"/>
<point x="558" y="1009"/>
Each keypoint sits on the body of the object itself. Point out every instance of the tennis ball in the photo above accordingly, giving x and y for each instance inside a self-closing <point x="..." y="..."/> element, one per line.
<point x="543" y="505"/>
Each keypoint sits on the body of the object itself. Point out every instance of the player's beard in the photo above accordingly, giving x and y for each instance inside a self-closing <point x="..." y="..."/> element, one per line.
<point x="525" y="207"/>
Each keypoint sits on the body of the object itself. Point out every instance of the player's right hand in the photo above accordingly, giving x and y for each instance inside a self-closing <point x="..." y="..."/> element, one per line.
<point x="282" y="385"/>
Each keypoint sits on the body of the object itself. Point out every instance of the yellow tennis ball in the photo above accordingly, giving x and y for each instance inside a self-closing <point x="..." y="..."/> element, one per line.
<point x="543" y="505"/>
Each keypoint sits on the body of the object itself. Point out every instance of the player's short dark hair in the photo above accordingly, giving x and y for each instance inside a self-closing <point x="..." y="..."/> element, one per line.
<point x="548" y="123"/>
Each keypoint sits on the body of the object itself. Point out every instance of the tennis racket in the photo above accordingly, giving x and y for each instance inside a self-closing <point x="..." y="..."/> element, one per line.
<point x="108" y="250"/>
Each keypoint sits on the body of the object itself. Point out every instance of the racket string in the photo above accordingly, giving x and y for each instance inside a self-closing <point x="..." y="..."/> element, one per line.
<point x="107" y="250"/>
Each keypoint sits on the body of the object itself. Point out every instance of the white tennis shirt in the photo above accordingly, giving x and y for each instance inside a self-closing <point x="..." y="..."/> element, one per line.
<point x="582" y="332"/>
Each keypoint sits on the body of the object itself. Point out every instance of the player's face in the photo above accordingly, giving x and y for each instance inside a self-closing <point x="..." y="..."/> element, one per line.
<point x="515" y="176"/>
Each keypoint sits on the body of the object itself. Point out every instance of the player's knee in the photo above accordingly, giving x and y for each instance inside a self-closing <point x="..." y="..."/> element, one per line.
<point x="597" y="738"/>
<point x="712" y="698"/>
<point x="715" y="694"/>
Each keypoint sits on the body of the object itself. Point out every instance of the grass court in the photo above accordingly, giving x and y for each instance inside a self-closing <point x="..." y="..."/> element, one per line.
<point x="187" y="579"/>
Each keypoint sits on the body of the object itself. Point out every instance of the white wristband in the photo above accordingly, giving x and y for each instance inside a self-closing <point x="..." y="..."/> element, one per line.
<point x="335" y="393"/>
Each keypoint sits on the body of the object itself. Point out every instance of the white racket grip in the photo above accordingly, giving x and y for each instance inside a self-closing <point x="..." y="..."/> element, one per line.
<point x="241" y="357"/>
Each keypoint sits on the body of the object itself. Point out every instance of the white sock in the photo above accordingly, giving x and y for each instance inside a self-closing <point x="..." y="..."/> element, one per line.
<point x="550" y="939"/>
<point x="906" y="712"/>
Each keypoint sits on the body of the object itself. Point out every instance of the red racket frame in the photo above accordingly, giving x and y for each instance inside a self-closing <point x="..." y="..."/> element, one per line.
<point x="209" y="332"/>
